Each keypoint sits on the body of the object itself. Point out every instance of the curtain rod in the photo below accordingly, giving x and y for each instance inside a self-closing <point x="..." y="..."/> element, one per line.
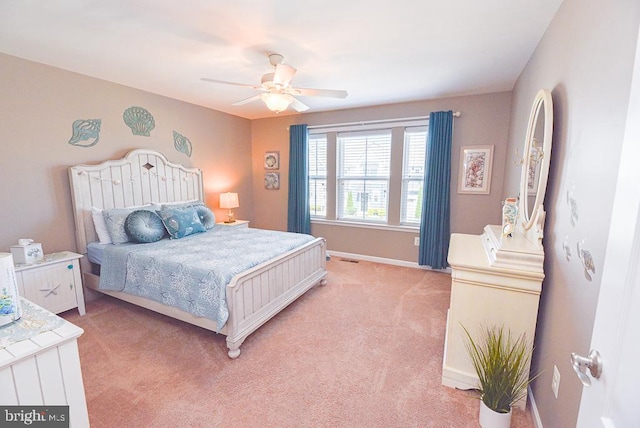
<point x="376" y="122"/>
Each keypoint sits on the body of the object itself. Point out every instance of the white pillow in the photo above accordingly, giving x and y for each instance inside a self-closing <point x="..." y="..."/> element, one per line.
<point x="100" y="226"/>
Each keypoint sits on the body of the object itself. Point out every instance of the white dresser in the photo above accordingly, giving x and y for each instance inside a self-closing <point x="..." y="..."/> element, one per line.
<point x="496" y="277"/>
<point x="40" y="365"/>
<point x="486" y="295"/>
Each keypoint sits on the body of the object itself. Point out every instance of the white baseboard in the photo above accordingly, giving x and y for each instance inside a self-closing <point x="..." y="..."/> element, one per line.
<point x="534" y="410"/>
<point x="383" y="260"/>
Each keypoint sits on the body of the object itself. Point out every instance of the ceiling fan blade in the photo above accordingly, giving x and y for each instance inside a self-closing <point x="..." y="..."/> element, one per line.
<point x="297" y="105"/>
<point x="231" y="83"/>
<point x="307" y="92"/>
<point x="247" y="100"/>
<point x="283" y="75"/>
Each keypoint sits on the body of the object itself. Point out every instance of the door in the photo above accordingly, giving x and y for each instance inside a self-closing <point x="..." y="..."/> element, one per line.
<point x="611" y="401"/>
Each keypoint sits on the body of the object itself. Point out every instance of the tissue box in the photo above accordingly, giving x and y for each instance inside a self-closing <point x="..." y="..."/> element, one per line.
<point x="27" y="254"/>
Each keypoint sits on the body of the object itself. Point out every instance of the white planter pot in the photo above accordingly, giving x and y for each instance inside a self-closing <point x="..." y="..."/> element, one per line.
<point x="490" y="419"/>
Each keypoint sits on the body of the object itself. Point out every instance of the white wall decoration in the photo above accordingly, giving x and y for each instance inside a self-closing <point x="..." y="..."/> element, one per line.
<point x="586" y="258"/>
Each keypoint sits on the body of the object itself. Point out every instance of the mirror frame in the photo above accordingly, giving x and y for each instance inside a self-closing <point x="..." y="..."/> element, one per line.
<point x="542" y="99"/>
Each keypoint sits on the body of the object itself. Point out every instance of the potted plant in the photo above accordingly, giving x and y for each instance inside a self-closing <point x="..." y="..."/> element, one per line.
<point x="502" y="366"/>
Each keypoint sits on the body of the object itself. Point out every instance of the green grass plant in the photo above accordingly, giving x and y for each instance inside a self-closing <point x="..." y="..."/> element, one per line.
<point x="501" y="363"/>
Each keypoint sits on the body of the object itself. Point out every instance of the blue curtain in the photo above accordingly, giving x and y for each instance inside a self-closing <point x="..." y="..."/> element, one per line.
<point x="434" y="224"/>
<point x="299" y="215"/>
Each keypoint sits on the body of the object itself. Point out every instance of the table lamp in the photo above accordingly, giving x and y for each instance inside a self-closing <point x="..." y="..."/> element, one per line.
<point x="229" y="200"/>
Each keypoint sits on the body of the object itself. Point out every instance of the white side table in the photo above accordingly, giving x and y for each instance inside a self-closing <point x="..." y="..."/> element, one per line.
<point x="55" y="282"/>
<point x="237" y="223"/>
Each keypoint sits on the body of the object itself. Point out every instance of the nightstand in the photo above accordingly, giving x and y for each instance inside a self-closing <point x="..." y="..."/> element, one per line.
<point x="55" y="282"/>
<point x="237" y="223"/>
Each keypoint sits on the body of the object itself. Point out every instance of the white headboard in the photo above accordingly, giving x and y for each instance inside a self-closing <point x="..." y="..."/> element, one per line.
<point x="141" y="177"/>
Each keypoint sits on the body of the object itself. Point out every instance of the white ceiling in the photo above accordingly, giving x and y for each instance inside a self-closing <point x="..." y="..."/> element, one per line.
<point x="378" y="50"/>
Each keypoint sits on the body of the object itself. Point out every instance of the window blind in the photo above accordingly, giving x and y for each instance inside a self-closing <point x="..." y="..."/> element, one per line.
<point x="415" y="149"/>
<point x="363" y="170"/>
<point x="318" y="175"/>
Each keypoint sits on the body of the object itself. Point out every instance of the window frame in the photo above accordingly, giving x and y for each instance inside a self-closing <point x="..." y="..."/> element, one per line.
<point x="409" y="177"/>
<point x="395" y="183"/>
<point x="368" y="177"/>
<point x="318" y="177"/>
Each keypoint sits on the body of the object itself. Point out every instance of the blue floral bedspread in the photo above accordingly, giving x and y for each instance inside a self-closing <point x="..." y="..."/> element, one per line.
<point x="191" y="273"/>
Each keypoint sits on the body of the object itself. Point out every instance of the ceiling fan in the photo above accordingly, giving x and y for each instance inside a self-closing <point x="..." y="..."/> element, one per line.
<point x="277" y="92"/>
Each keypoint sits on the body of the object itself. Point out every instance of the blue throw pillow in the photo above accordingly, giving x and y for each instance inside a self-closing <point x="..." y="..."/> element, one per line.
<point x="115" y="219"/>
<point x="144" y="226"/>
<point x="207" y="218"/>
<point x="181" y="222"/>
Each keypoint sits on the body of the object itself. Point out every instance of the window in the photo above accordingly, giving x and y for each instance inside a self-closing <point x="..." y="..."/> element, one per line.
<point x="318" y="175"/>
<point x="370" y="173"/>
<point x="415" y="149"/>
<point x="363" y="171"/>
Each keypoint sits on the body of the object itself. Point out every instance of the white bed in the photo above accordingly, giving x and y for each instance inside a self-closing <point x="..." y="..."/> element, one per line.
<point x="145" y="176"/>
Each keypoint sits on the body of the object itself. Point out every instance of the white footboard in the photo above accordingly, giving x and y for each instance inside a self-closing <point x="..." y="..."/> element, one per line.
<point x="258" y="294"/>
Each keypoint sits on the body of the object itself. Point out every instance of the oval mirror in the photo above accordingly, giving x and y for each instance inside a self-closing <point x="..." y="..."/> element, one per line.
<point x="537" y="153"/>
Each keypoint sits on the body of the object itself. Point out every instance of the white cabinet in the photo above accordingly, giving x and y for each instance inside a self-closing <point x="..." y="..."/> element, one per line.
<point x="40" y="365"/>
<point x="489" y="287"/>
<point x="54" y="282"/>
<point x="496" y="277"/>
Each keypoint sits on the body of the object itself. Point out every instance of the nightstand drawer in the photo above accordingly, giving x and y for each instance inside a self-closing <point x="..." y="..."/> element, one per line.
<point x="51" y="287"/>
<point x="53" y="283"/>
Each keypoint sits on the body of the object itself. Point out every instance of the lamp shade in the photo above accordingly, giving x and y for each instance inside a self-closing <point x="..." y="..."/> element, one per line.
<point x="277" y="102"/>
<point x="229" y="200"/>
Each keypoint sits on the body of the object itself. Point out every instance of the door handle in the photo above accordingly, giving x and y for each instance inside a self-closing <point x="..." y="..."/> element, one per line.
<point x="593" y="362"/>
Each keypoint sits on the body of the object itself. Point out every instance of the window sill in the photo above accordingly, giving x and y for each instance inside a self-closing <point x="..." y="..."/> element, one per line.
<point x="342" y="223"/>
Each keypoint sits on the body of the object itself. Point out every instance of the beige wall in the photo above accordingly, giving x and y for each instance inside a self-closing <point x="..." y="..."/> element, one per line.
<point x="38" y="105"/>
<point x="585" y="59"/>
<point x="484" y="121"/>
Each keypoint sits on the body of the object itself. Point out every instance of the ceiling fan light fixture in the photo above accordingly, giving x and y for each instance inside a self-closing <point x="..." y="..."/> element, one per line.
<point x="277" y="102"/>
<point x="277" y="92"/>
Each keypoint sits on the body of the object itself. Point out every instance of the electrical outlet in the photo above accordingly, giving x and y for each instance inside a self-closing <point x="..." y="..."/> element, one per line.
<point x="555" y="382"/>
<point x="416" y="241"/>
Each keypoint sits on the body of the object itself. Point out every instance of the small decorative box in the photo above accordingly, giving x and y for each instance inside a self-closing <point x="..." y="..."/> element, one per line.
<point x="27" y="254"/>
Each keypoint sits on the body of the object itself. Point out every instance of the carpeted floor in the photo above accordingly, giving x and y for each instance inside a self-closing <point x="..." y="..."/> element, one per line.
<point x="365" y="350"/>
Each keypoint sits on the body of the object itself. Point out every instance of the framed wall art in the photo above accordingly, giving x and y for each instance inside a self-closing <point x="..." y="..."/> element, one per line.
<point x="272" y="180"/>
<point x="475" y="170"/>
<point x="272" y="160"/>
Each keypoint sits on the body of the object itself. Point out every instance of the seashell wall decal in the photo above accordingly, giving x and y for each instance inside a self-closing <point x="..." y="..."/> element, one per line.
<point x="181" y="143"/>
<point x="566" y="249"/>
<point x="586" y="258"/>
<point x="139" y="120"/>
<point x="86" y="132"/>
<point x="573" y="208"/>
